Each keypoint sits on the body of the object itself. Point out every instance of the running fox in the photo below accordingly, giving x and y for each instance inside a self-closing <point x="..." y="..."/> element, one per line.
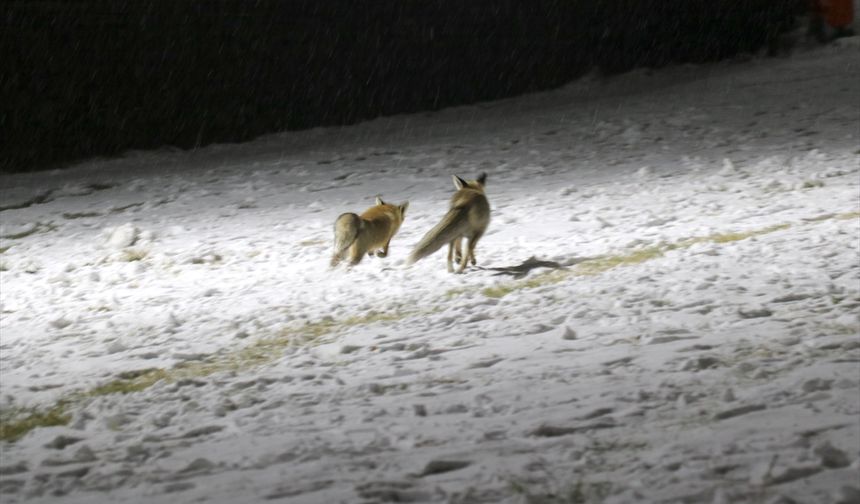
<point x="367" y="233"/>
<point x="468" y="218"/>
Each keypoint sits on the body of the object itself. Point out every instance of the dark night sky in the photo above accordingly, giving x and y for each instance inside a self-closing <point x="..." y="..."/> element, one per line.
<point x="96" y="77"/>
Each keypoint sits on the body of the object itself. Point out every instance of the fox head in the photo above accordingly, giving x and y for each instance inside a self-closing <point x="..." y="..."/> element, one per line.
<point x="399" y="209"/>
<point x="477" y="184"/>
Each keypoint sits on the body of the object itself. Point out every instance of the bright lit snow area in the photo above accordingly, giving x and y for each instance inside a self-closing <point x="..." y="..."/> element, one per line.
<point x="664" y="308"/>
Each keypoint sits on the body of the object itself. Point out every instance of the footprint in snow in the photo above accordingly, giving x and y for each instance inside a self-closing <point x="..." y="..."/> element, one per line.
<point x="443" y="466"/>
<point x="294" y="490"/>
<point x="486" y="363"/>
<point x="391" y="491"/>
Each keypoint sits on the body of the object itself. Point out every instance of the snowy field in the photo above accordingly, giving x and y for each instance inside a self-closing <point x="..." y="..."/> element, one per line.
<point x="687" y="331"/>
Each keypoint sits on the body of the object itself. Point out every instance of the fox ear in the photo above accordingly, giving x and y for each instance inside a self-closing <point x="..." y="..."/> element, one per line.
<point x="379" y="201"/>
<point x="403" y="207"/>
<point x="482" y="179"/>
<point x="459" y="183"/>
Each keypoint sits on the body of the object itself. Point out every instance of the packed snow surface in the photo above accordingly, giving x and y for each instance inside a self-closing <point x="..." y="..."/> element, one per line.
<point x="664" y="309"/>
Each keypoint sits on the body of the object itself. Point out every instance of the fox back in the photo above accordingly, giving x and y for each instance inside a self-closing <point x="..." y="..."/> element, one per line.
<point x="380" y="223"/>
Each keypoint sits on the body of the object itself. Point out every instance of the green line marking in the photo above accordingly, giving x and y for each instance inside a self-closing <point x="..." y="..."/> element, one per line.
<point x="15" y="424"/>
<point x="601" y="264"/>
<point x="258" y="353"/>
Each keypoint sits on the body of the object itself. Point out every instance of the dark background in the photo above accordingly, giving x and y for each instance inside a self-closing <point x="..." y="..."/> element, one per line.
<point x="82" y="78"/>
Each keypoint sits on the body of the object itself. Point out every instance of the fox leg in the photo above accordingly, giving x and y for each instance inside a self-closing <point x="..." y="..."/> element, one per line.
<point x="451" y="246"/>
<point x="458" y="250"/>
<point x="463" y="256"/>
<point x="473" y="241"/>
<point x="356" y="254"/>
<point x="470" y="252"/>
<point x="384" y="251"/>
<point x="463" y="260"/>
<point x="469" y="257"/>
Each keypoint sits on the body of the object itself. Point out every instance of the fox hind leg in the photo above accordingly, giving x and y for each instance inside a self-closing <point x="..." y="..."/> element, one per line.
<point x="384" y="251"/>
<point x="464" y="254"/>
<point x="473" y="242"/>
<point x="356" y="254"/>
<point x="458" y="251"/>
<point x="463" y="260"/>
<point x="453" y="245"/>
<point x="469" y="254"/>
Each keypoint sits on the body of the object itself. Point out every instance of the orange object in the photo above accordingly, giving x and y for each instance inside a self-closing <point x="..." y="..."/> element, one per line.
<point x="838" y="13"/>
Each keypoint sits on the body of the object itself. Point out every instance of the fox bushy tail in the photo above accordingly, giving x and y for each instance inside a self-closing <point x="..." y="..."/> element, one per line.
<point x="453" y="225"/>
<point x="346" y="229"/>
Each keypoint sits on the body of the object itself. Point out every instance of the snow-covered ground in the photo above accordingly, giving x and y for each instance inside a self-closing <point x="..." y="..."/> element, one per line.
<point x="691" y="336"/>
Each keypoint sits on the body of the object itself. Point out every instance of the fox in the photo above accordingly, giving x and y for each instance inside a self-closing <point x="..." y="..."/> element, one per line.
<point x="468" y="217"/>
<point x="368" y="233"/>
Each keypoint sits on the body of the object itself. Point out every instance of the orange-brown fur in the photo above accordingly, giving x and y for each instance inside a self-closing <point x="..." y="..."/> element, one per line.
<point x="357" y="235"/>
